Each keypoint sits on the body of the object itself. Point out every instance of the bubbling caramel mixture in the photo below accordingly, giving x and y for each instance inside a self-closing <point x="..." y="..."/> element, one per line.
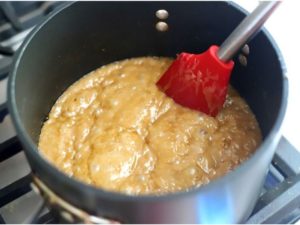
<point x="116" y="130"/>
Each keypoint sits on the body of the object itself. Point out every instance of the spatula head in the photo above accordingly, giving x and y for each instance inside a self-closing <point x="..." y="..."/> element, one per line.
<point x="198" y="82"/>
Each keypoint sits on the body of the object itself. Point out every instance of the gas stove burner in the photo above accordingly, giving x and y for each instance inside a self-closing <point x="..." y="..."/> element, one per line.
<point x="279" y="201"/>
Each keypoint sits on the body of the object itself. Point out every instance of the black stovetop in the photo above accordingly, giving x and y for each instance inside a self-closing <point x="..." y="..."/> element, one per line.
<point x="279" y="201"/>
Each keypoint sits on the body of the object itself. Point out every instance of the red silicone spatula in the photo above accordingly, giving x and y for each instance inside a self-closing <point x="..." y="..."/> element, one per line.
<point x="200" y="81"/>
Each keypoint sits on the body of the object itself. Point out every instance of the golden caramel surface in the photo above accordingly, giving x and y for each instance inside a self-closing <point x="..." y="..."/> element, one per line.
<point x="116" y="130"/>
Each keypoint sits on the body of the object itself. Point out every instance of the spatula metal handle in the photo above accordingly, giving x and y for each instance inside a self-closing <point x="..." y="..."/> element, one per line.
<point x="246" y="29"/>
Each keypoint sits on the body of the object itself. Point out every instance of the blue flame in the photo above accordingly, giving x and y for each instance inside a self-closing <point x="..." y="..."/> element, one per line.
<point x="215" y="208"/>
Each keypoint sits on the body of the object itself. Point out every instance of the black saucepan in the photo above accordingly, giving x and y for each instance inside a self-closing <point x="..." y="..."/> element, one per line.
<point x="85" y="35"/>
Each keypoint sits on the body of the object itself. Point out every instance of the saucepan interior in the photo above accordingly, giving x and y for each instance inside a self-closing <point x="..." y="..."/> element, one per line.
<point x="84" y="36"/>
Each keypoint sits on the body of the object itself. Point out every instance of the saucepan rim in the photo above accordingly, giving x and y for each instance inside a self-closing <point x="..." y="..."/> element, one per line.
<point x="31" y="147"/>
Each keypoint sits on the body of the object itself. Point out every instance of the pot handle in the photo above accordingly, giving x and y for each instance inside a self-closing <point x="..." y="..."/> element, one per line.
<point x="67" y="211"/>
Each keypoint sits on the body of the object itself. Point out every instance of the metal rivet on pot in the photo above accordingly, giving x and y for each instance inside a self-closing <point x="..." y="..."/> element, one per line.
<point x="162" y="14"/>
<point x="246" y="49"/>
<point x="162" y="26"/>
<point x="242" y="59"/>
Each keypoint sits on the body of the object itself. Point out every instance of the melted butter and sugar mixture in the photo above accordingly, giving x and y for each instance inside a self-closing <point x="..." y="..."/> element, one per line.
<point x="116" y="130"/>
